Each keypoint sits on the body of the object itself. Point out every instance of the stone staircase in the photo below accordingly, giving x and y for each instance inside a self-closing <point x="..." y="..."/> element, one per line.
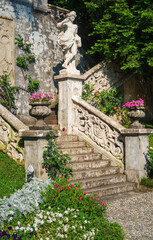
<point x="93" y="169"/>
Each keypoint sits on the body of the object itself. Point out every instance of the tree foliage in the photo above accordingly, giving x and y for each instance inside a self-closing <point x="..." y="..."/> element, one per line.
<point x="122" y="30"/>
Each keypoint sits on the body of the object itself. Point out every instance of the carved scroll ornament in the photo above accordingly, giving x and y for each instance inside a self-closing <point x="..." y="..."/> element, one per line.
<point x="104" y="76"/>
<point x="7" y="47"/>
<point x="9" y="140"/>
<point x="101" y="133"/>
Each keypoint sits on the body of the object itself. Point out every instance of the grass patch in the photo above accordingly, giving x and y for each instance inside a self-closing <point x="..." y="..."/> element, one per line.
<point x="12" y="176"/>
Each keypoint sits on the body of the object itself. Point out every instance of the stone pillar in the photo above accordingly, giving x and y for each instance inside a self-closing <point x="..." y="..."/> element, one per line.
<point x="136" y="149"/>
<point x="69" y="86"/>
<point x="34" y="145"/>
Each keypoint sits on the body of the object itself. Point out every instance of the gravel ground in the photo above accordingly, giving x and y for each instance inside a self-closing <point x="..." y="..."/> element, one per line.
<point x="135" y="214"/>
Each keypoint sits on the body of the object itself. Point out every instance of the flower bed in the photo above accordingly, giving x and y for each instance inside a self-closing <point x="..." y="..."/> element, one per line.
<point x="66" y="212"/>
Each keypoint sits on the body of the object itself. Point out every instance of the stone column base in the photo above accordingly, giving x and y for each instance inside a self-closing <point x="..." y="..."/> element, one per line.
<point x="136" y="151"/>
<point x="35" y="142"/>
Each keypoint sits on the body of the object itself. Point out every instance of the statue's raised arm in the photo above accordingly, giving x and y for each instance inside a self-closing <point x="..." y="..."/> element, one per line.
<point x="69" y="40"/>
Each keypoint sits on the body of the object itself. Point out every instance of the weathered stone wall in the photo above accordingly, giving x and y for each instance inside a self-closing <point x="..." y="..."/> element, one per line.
<point x="34" y="25"/>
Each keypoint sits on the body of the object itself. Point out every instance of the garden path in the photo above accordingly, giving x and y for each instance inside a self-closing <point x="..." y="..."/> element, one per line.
<point x="134" y="212"/>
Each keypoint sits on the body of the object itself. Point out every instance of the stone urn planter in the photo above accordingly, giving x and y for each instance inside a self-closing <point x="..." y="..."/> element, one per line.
<point x="40" y="110"/>
<point x="136" y="114"/>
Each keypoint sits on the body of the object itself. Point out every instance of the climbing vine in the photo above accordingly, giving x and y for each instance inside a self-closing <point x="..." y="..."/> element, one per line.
<point x="23" y="61"/>
<point x="7" y="93"/>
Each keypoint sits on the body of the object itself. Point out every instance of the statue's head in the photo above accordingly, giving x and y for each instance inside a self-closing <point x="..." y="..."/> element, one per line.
<point x="71" y="15"/>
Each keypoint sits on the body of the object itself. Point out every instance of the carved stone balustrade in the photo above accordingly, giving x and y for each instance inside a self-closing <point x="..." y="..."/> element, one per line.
<point x="104" y="76"/>
<point x="10" y="126"/>
<point x="99" y="130"/>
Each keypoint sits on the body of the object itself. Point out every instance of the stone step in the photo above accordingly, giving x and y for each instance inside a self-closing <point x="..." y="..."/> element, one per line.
<point x="63" y="145"/>
<point x="51" y="117"/>
<point x="67" y="138"/>
<point x="51" y="122"/>
<point x="89" y="183"/>
<point x="90" y="165"/>
<point x="98" y="172"/>
<point x="107" y="190"/>
<point x="54" y="127"/>
<point x="74" y="151"/>
<point x="86" y="157"/>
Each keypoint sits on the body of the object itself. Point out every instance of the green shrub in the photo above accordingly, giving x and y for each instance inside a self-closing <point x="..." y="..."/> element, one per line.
<point x="54" y="161"/>
<point x="148" y="182"/>
<point x="108" y="102"/>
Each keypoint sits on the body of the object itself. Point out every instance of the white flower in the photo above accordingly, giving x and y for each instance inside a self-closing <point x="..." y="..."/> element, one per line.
<point x="10" y="218"/>
<point x="66" y="212"/>
<point x="11" y="212"/>
<point x="49" y="221"/>
<point x="85" y="221"/>
<point x="16" y="228"/>
<point x="18" y="223"/>
<point x="66" y="219"/>
<point x="73" y="227"/>
<point x="66" y="228"/>
<point x="75" y="216"/>
<point x="60" y="215"/>
<point x="22" y="228"/>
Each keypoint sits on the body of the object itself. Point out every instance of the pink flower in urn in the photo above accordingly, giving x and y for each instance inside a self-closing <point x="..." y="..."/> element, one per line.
<point x="40" y="98"/>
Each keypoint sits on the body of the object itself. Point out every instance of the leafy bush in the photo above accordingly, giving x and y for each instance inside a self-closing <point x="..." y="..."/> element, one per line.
<point x="22" y="201"/>
<point x="147" y="182"/>
<point x="108" y="102"/>
<point x="151" y="162"/>
<point x="65" y="213"/>
<point x="55" y="162"/>
<point x="105" y="101"/>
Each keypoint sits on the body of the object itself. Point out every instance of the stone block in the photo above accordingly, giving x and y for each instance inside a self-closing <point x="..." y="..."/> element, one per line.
<point x="136" y="149"/>
<point x="34" y="146"/>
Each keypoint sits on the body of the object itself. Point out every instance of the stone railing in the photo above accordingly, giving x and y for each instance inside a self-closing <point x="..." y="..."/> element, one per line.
<point x="10" y="126"/>
<point x="104" y="76"/>
<point x="99" y="130"/>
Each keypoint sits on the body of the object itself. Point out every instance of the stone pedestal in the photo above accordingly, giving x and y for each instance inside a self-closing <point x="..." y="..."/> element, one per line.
<point x="69" y="86"/>
<point x="34" y="145"/>
<point x="136" y="149"/>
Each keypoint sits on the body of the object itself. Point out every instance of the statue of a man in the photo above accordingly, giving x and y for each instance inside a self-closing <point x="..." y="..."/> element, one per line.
<point x="69" y="40"/>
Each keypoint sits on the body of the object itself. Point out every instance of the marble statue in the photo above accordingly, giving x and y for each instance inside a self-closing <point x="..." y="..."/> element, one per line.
<point x="69" y="40"/>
